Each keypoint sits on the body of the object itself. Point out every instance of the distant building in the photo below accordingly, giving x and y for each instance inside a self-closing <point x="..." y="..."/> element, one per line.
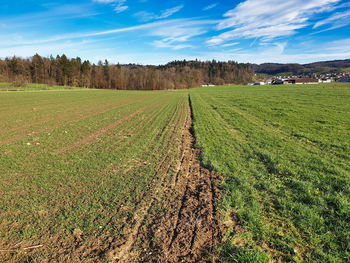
<point x="256" y="83"/>
<point x="306" y="81"/>
<point x="277" y="82"/>
<point x="289" y="81"/>
<point x="325" y="80"/>
<point x="342" y="80"/>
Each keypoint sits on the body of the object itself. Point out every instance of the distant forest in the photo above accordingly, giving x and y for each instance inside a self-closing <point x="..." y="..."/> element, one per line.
<point x="75" y="72"/>
<point x="333" y="66"/>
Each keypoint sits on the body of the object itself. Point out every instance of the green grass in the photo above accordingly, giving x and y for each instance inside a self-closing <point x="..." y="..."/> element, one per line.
<point x="96" y="186"/>
<point x="284" y="152"/>
<point x="34" y="87"/>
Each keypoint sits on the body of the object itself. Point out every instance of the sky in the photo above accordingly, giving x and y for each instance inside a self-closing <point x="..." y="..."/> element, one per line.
<point x="156" y="32"/>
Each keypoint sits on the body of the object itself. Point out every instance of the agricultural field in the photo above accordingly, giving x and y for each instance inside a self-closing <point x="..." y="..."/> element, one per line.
<point x="165" y="176"/>
<point x="284" y="154"/>
<point x="32" y="87"/>
<point x="100" y="176"/>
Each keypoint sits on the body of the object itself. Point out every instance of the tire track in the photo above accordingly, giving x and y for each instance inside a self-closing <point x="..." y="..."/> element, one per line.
<point x="188" y="229"/>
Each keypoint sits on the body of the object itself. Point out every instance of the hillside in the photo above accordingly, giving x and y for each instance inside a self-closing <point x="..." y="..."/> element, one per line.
<point x="75" y="72"/>
<point x="316" y="67"/>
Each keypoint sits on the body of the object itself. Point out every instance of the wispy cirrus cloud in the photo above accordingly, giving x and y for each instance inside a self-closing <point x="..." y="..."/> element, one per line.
<point x="50" y="13"/>
<point x="177" y="35"/>
<point x="169" y="32"/>
<point x="337" y="20"/>
<point x="104" y="1"/>
<point x="145" y="16"/>
<point x="118" y="5"/>
<point x="230" y="44"/>
<point x="172" y="34"/>
<point x="120" y="8"/>
<point x="208" y="7"/>
<point x="170" y="11"/>
<point x="163" y="44"/>
<point x="268" y="19"/>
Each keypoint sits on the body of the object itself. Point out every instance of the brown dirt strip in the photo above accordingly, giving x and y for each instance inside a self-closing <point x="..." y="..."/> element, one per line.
<point x="100" y="132"/>
<point x="85" y="116"/>
<point x="189" y="228"/>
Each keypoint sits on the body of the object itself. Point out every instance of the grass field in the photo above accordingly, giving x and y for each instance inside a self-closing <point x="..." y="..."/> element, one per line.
<point x="284" y="152"/>
<point x="81" y="161"/>
<point x="33" y="87"/>
<point x="101" y="175"/>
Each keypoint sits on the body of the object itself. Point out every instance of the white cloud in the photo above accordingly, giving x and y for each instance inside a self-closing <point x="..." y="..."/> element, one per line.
<point x="230" y="44"/>
<point x="176" y="35"/>
<point x="268" y="19"/>
<point x="104" y="1"/>
<point x="274" y="52"/>
<point x="147" y="16"/>
<point x="165" y="44"/>
<point x="337" y="20"/>
<point x="210" y="7"/>
<point x="120" y="8"/>
<point x="168" y="12"/>
<point x="173" y="34"/>
<point x="118" y="5"/>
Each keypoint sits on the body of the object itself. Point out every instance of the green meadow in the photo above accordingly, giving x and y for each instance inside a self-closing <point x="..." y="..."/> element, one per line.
<point x="77" y="165"/>
<point x="284" y="152"/>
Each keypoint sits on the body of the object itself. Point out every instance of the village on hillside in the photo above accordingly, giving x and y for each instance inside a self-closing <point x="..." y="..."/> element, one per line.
<point x="303" y="79"/>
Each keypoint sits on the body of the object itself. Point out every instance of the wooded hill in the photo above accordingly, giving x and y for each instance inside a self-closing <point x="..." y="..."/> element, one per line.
<point x="333" y="66"/>
<point x="75" y="72"/>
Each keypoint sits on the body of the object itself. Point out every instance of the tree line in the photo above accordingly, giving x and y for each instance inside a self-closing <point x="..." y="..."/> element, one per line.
<point x="75" y="72"/>
<point x="333" y="66"/>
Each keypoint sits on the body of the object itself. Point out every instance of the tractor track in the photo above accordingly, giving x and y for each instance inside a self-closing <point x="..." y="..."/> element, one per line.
<point x="187" y="229"/>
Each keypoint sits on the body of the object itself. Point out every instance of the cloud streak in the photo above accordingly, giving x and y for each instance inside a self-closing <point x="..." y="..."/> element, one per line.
<point x="118" y="5"/>
<point x="208" y="7"/>
<point x="145" y="16"/>
<point x="169" y="31"/>
<point x="268" y="19"/>
<point x="337" y="20"/>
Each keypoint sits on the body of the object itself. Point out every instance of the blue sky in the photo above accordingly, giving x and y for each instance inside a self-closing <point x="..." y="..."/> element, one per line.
<point x="156" y="32"/>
